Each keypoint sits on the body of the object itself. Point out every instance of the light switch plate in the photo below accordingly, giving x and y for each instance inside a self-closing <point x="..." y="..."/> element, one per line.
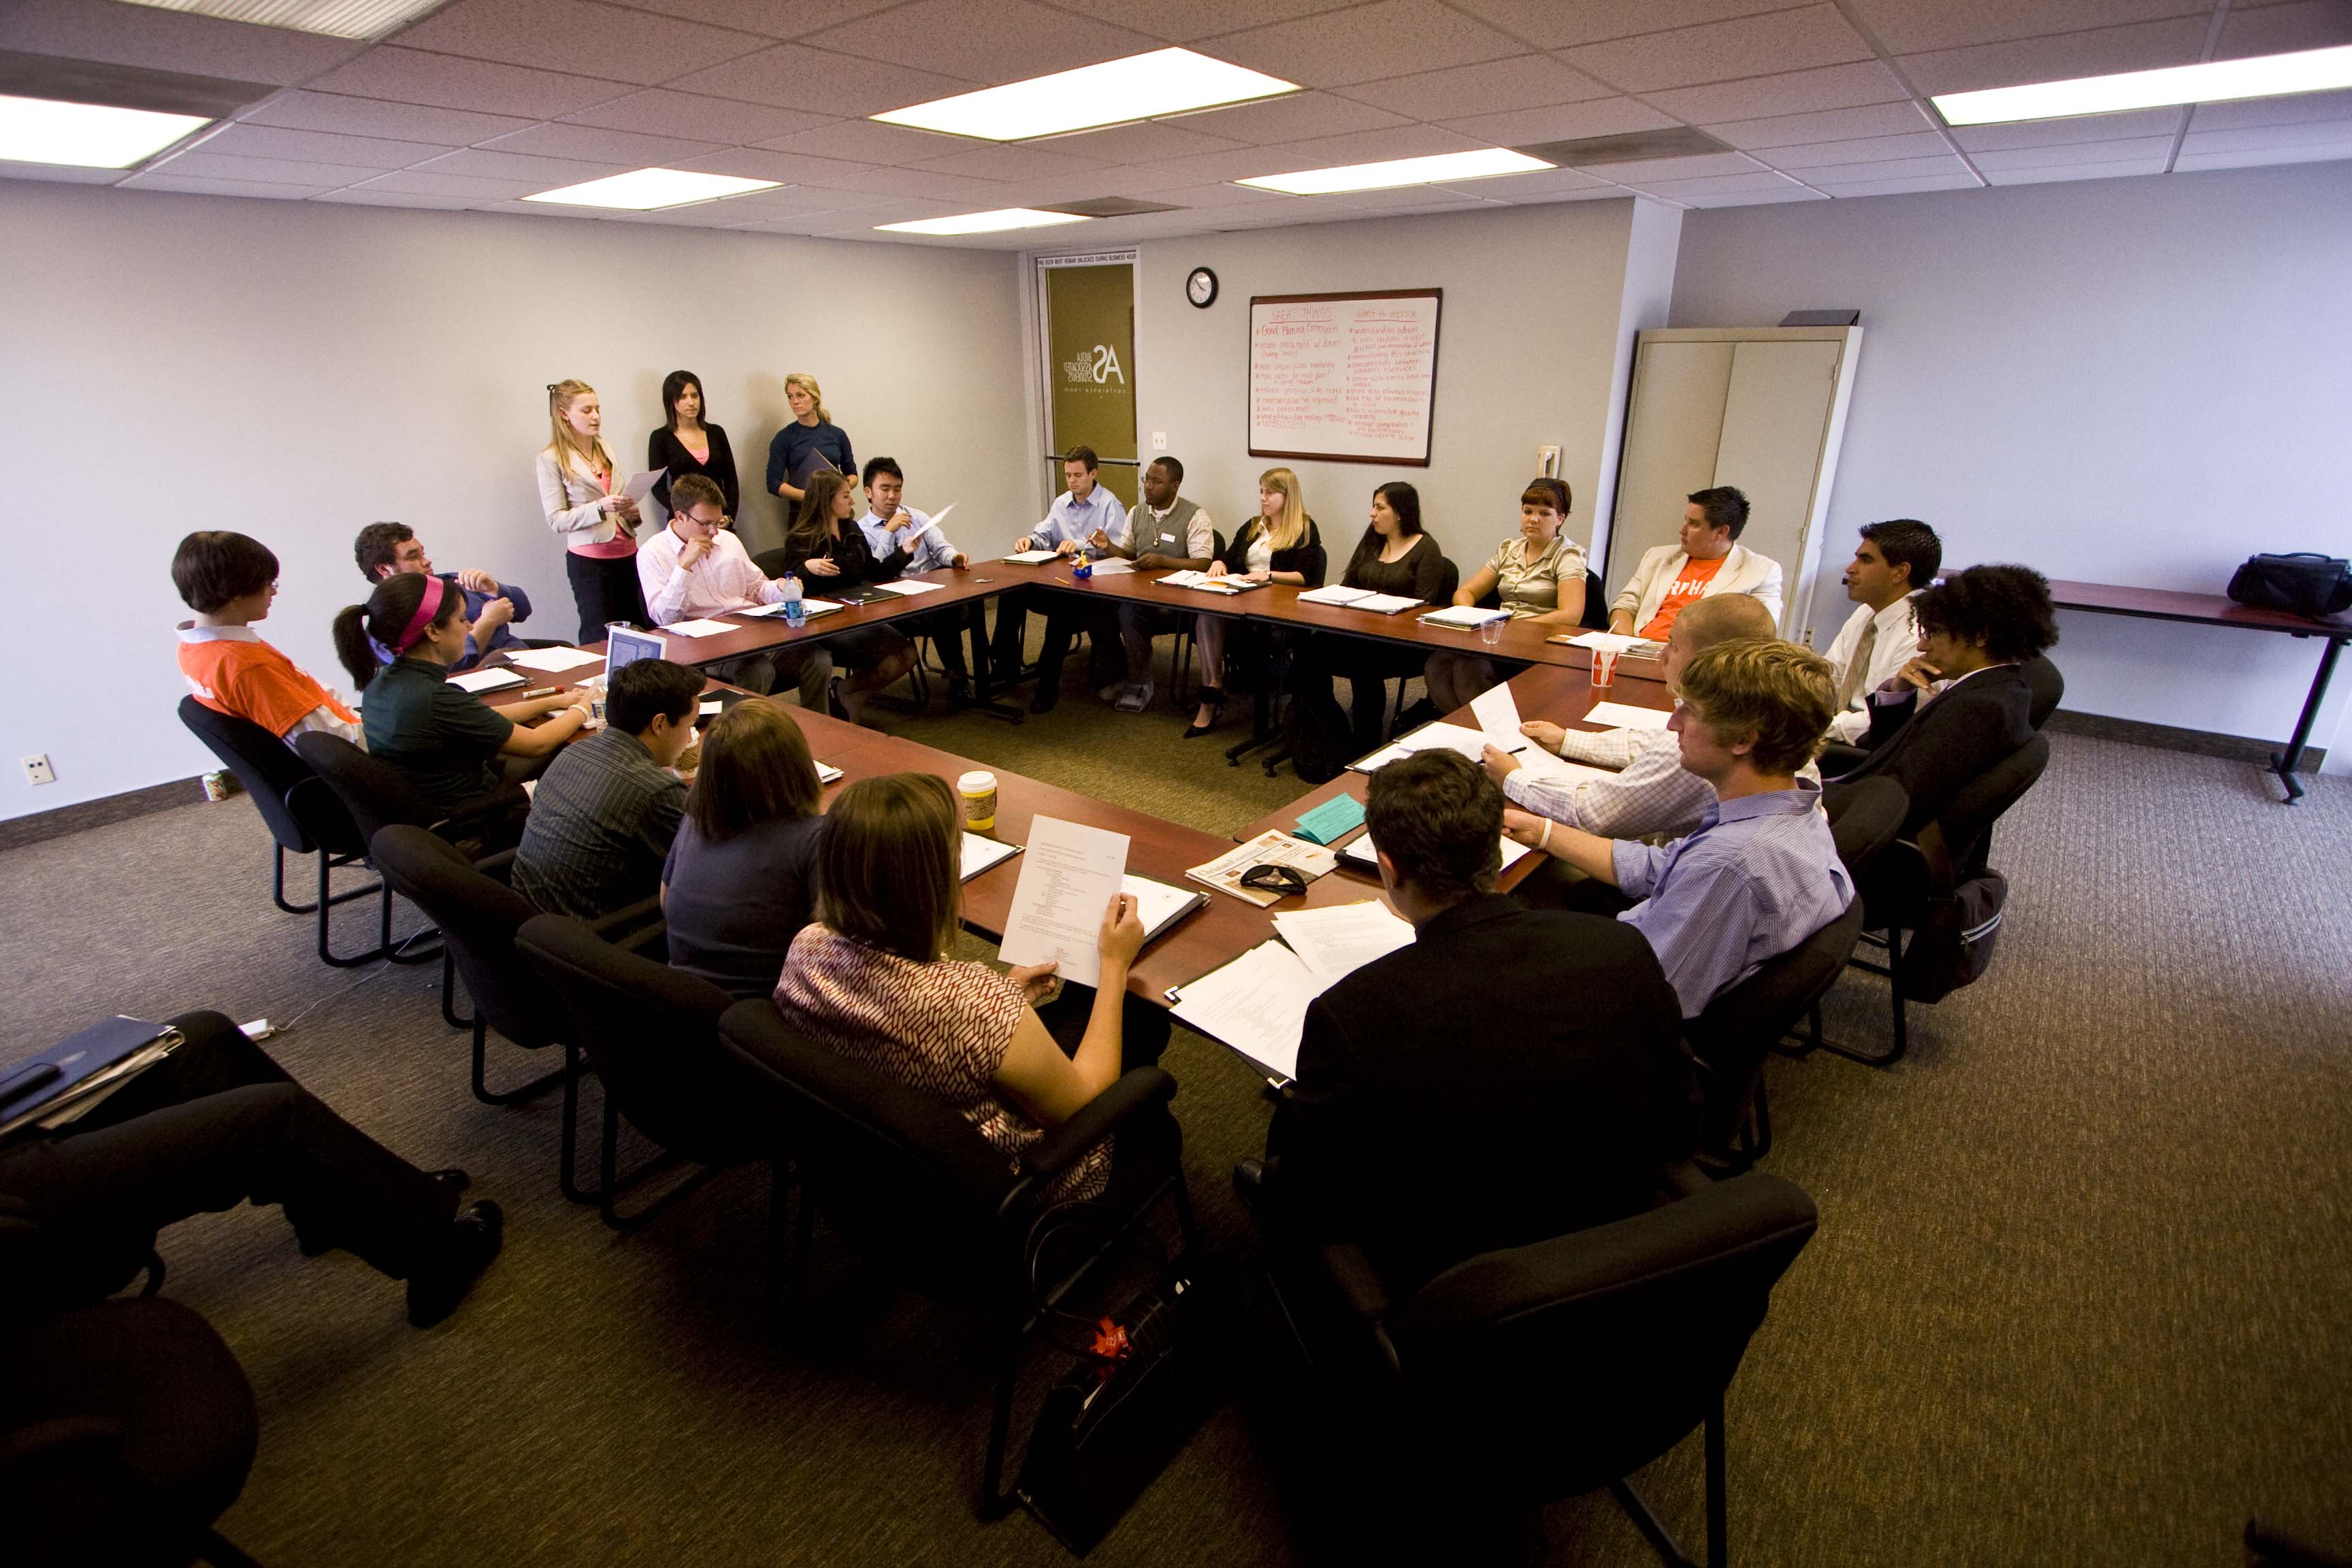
<point x="1159" y="440"/>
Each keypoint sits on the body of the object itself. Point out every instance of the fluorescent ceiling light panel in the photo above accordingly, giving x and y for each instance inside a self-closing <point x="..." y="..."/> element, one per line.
<point x="1443" y="168"/>
<point x="1116" y="93"/>
<point x="86" y="135"/>
<point x="646" y="189"/>
<point x="335" y="19"/>
<point x="2268" y="76"/>
<point x="982" y="223"/>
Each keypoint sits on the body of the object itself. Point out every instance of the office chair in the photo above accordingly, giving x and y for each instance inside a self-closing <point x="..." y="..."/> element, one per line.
<point x="302" y="813"/>
<point x="909" y="1183"/>
<point x="1735" y="1033"/>
<point x="1596" y="608"/>
<point x="2049" y="689"/>
<point x="1449" y="578"/>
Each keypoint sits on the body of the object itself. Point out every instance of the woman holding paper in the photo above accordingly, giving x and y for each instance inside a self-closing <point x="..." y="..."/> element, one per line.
<point x="1280" y="544"/>
<point x="830" y="551"/>
<point x="1537" y="574"/>
<point x="582" y="494"/>
<point x="1394" y="557"/>
<point x="1013" y="1053"/>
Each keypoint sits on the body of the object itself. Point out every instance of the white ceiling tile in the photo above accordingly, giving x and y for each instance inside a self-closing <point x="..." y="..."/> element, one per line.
<point x="1370" y="43"/>
<point x="1830" y="125"/>
<point x="2074" y="152"/>
<point x="1917" y="26"/>
<point x="2252" y="157"/>
<point x="2096" y="53"/>
<point x="58" y="175"/>
<point x="204" y="165"/>
<point x="1576" y="193"/>
<point x="915" y="183"/>
<point x="370" y="117"/>
<point x="444" y="81"/>
<point x="864" y="142"/>
<point x="570" y="36"/>
<point x="992" y="41"/>
<point x="804" y="223"/>
<point x="2255" y="138"/>
<point x="1564" y="123"/>
<point x="1648" y="171"/>
<point x="1724" y="51"/>
<point x="248" y="141"/>
<point x="1142" y="143"/>
<point x="1868" y="150"/>
<point x="2044" y="176"/>
<point x="1556" y="24"/>
<point x="410" y="181"/>
<point x="1837" y="174"/>
<point x="2272" y="110"/>
<point x="1220" y="195"/>
<point x="548" y="172"/>
<point x="701" y="214"/>
<point x="792" y="201"/>
<point x="1761" y="182"/>
<point x="771" y="19"/>
<point x="2285" y="29"/>
<point x="723" y="120"/>
<point x="168" y="40"/>
<point x="1183" y="21"/>
<point x="1792" y="92"/>
<point x="1527" y="81"/>
<point x="1408" y="199"/>
<point x="1960" y="182"/>
<point x="1543" y="182"/>
<point x="791" y="76"/>
<point x="1753" y="198"/>
<point x="1292" y="119"/>
<point x="594" y="144"/>
<point x="363" y="196"/>
<point x="1012" y="163"/>
<point x="2059" y="132"/>
<point x="1323" y="153"/>
<point x="267" y="192"/>
<point x="785" y="168"/>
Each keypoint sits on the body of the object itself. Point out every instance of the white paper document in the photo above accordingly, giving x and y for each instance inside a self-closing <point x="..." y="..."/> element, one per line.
<point x="978" y="853"/>
<point x="1387" y="604"/>
<point x="1204" y="583"/>
<point x="480" y="680"/>
<point x="1463" y="615"/>
<point x="699" y="629"/>
<point x="712" y="705"/>
<point x="554" y="660"/>
<point x="1335" y="596"/>
<point x="1335" y="942"/>
<point x="1256" y="1005"/>
<point x="1157" y="903"/>
<point x="1068" y="876"/>
<point x="1440" y="735"/>
<point x="827" y="773"/>
<point x="1271" y="848"/>
<point x="1497" y="712"/>
<point x="1114" y="567"/>
<point x="640" y="486"/>
<point x="1618" y="716"/>
<point x="1361" y="854"/>
<point x="909" y="589"/>
<point x="1031" y="557"/>
<point x="1609" y="642"/>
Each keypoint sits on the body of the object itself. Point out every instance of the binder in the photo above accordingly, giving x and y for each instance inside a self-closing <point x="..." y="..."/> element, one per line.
<point x="72" y="1076"/>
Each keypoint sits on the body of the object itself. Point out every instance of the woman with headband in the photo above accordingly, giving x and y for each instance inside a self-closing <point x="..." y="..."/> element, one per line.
<point x="443" y="738"/>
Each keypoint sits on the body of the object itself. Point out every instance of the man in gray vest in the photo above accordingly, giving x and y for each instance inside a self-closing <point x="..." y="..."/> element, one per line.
<point x="1165" y="533"/>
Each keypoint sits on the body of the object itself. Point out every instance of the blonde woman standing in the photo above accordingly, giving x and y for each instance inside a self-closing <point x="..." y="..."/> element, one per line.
<point x="1280" y="544"/>
<point x="811" y="444"/>
<point x="580" y="489"/>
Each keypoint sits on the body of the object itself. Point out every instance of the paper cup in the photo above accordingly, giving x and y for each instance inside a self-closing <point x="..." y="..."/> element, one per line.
<point x="979" y="793"/>
<point x="1605" y="666"/>
<point x="1491" y="631"/>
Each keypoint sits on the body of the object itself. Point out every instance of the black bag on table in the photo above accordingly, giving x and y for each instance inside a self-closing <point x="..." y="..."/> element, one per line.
<point x="2304" y="583"/>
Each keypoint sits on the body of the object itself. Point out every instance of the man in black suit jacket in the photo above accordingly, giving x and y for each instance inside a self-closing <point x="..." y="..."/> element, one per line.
<point x="1512" y="1075"/>
<point x="1977" y="629"/>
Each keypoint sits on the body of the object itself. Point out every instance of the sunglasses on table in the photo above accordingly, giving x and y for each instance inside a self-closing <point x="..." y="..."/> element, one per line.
<point x="1283" y="879"/>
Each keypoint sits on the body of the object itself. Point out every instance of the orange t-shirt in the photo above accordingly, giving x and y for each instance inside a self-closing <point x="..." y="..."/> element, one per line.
<point x="233" y="671"/>
<point x="1689" y="586"/>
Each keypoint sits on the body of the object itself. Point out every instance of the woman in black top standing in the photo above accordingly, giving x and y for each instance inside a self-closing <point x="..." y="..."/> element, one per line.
<point x="1394" y="557"/>
<point x="807" y="445"/>
<point x="828" y="549"/>
<point x="689" y="444"/>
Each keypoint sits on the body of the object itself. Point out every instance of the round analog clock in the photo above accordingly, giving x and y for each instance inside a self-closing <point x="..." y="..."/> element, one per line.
<point x="1201" y="288"/>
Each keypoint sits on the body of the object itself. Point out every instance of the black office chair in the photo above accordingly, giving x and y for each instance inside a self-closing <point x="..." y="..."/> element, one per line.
<point x="651" y="1033"/>
<point x="1543" y="1372"/>
<point x="1735" y="1033"/>
<point x="909" y="1184"/>
<point x="2049" y="689"/>
<point x="1449" y="579"/>
<point x="772" y="563"/>
<point x="302" y="813"/>
<point x="1596" y="608"/>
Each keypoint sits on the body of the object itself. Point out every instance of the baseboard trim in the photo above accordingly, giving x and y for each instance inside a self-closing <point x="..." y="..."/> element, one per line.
<point x="2165" y="737"/>
<point x="18" y="831"/>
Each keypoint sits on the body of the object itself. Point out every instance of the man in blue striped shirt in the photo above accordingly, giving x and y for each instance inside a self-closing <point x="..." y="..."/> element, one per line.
<point x="1761" y="874"/>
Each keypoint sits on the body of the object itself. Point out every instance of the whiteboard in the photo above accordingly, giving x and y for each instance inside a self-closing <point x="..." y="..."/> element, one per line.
<point x="1347" y="378"/>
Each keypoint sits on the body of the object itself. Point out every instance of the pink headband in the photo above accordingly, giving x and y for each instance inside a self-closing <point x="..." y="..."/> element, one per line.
<point x="429" y="610"/>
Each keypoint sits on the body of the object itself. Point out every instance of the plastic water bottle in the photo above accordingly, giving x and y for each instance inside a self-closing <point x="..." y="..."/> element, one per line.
<point x="796" y="613"/>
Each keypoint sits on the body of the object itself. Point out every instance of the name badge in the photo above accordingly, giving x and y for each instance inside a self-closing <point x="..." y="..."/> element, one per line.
<point x="1167" y="538"/>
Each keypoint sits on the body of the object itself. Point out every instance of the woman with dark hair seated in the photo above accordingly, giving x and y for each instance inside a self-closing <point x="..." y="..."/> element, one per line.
<point x="1394" y="557"/>
<point x="1015" y="1053"/>
<point x="830" y="551"/>
<point x="743" y="874"/>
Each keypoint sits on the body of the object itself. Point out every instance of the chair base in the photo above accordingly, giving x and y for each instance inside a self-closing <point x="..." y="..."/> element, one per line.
<point x="218" y="1552"/>
<point x="1661" y="1539"/>
<point x="1892" y="972"/>
<point x="522" y="1094"/>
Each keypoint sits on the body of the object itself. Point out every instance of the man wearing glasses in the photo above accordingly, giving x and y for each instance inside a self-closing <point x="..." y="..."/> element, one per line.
<point x="697" y="567"/>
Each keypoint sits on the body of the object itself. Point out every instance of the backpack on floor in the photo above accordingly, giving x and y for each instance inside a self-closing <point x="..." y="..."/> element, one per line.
<point x="1315" y="731"/>
<point x="1953" y="946"/>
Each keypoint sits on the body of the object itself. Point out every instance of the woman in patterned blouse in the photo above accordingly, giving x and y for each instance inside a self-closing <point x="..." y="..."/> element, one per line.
<point x="1538" y="574"/>
<point x="871" y="980"/>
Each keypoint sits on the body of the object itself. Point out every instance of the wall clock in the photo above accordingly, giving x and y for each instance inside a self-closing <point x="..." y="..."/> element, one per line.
<point x="1201" y="288"/>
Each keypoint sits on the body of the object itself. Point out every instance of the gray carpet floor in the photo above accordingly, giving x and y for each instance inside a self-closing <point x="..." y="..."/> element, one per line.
<point x="2079" y="1293"/>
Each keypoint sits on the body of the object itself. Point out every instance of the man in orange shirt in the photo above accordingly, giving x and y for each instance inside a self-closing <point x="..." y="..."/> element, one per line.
<point x="1709" y="560"/>
<point x="229" y="581"/>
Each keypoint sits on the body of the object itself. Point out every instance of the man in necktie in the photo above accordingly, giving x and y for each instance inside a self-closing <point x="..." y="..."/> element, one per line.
<point x="1894" y="561"/>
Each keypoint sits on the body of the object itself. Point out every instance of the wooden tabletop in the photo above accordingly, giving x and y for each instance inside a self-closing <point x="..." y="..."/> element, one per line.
<point x="2203" y="609"/>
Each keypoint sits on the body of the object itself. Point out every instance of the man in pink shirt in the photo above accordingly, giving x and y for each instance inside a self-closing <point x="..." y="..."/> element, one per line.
<point x="697" y="567"/>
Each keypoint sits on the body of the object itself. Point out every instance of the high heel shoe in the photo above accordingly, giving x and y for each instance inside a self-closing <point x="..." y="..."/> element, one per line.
<point x="1213" y="701"/>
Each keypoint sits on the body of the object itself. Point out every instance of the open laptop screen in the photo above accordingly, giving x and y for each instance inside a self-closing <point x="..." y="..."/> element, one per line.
<point x="627" y="645"/>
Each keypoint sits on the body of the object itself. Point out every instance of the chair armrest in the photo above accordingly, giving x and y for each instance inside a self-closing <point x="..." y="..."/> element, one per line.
<point x="644" y="937"/>
<point x="501" y="866"/>
<point x="60" y="1439"/>
<point x="1138" y="1090"/>
<point x="1684" y="1179"/>
<point x="624" y="922"/>
<point x="1362" y="1293"/>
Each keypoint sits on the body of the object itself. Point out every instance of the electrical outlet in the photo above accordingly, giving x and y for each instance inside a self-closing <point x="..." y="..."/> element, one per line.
<point x="1159" y="440"/>
<point x="38" y="771"/>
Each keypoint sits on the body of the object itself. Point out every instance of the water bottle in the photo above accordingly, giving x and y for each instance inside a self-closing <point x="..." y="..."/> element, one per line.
<point x="796" y="613"/>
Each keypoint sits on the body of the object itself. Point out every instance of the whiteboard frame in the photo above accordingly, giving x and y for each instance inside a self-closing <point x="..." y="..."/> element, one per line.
<point x="1436" y="336"/>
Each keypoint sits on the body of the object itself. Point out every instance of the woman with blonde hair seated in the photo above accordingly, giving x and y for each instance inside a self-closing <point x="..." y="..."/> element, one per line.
<point x="1280" y="544"/>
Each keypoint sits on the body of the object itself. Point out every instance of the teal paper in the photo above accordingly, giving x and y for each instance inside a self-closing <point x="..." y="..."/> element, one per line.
<point x="1335" y="817"/>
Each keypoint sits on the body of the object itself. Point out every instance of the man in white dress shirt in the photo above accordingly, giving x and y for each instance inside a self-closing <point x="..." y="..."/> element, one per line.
<point x="891" y="526"/>
<point x="1895" y="559"/>
<point x="697" y="567"/>
<point x="1084" y="511"/>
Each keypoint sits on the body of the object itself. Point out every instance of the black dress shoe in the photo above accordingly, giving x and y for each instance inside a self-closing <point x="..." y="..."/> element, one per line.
<point x="1213" y="699"/>
<point x="472" y="1239"/>
<point x="1045" y="699"/>
<point x="959" y="695"/>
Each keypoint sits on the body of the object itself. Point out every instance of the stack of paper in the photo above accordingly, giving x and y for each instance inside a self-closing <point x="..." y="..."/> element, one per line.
<point x="978" y="853"/>
<point x="1256" y="1005"/>
<point x="1114" y="567"/>
<point x="1464" y="617"/>
<point x="699" y="629"/>
<point x="909" y="589"/>
<point x="1337" y="941"/>
<point x="1618" y="716"/>
<point x="1206" y="584"/>
<point x="480" y="680"/>
<point x="1031" y="557"/>
<point x="1360" y="853"/>
<point x="1606" y="642"/>
<point x="1335" y="596"/>
<point x="554" y="660"/>
<point x="1387" y="604"/>
<point x="1271" y="848"/>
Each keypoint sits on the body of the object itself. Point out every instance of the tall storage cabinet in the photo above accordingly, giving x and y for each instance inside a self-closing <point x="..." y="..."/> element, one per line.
<point x="1763" y="408"/>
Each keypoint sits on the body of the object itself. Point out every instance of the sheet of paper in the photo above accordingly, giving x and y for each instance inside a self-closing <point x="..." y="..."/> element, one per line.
<point x="1187" y="578"/>
<point x="554" y="660"/>
<point x="1337" y="941"/>
<point x="909" y="590"/>
<point x="480" y="680"/>
<point x="827" y="773"/>
<point x="1618" y="716"/>
<point x="699" y="629"/>
<point x="1068" y="876"/>
<point x="712" y="705"/>
<point x="1362" y="855"/>
<point x="1611" y="642"/>
<point x="1443" y="736"/>
<point x="1387" y="604"/>
<point x="1256" y="1005"/>
<point x="1156" y="903"/>
<point x="1031" y="557"/>
<point x="1374" y="761"/>
<point x="978" y="853"/>
<point x="1462" y="615"/>
<point x="1331" y="821"/>
<point x="1271" y="848"/>
<point x="1335" y="595"/>
<point x="1497" y="712"/>
<point x="1113" y="568"/>
<point x="642" y="484"/>
<point x="941" y="516"/>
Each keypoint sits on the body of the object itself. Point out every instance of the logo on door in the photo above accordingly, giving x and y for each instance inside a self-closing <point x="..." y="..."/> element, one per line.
<point x="1098" y="367"/>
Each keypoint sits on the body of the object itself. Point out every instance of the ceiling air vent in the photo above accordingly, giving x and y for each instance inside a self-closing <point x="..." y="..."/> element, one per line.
<point x="125" y="87"/>
<point x="1109" y="207"/>
<point x="1633" y="147"/>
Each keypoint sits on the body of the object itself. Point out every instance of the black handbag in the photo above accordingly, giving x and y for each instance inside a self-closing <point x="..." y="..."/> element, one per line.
<point x="2304" y="583"/>
<point x="1953" y="946"/>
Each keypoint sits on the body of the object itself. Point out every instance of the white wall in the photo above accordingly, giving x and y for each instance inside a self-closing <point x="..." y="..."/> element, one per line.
<point x="2134" y="381"/>
<point x="295" y="370"/>
<point x="1527" y="354"/>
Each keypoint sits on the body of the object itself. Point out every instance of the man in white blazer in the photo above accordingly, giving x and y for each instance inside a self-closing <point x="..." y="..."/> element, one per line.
<point x="1709" y="560"/>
